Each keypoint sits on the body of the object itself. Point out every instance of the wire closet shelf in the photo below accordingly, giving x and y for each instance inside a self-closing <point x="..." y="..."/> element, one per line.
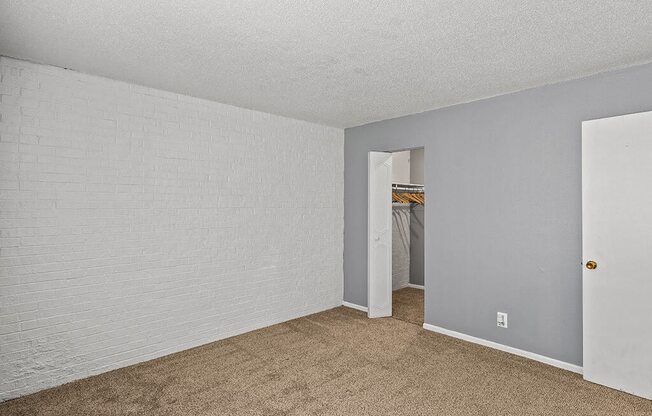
<point x="405" y="193"/>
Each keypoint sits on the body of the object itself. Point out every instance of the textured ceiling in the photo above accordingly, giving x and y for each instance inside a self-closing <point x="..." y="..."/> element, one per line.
<point x="336" y="62"/>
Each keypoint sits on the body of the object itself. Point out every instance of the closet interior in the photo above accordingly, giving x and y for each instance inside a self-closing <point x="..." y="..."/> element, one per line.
<point x="408" y="203"/>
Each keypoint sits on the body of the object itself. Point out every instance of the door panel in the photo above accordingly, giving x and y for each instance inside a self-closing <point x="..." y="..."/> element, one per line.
<point x="617" y="235"/>
<point x="379" y="256"/>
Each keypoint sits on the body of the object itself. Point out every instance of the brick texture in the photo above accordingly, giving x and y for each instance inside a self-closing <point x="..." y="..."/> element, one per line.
<point x="135" y="223"/>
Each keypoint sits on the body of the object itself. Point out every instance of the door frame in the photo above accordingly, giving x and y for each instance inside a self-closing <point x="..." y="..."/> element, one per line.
<point x="425" y="234"/>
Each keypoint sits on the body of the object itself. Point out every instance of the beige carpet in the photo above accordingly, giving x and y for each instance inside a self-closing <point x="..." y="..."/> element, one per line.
<point x="407" y="305"/>
<point x="336" y="362"/>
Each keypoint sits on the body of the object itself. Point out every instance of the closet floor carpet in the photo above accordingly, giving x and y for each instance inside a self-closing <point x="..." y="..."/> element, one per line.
<point x="407" y="305"/>
<point x="336" y="362"/>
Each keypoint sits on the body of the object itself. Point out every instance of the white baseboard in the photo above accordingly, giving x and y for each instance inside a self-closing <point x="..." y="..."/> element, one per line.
<point x="354" y="306"/>
<point x="521" y="353"/>
<point x="413" y="286"/>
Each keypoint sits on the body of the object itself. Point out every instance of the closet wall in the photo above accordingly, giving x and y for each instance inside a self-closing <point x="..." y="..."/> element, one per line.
<point x="400" y="224"/>
<point x="407" y="223"/>
<point x="400" y="245"/>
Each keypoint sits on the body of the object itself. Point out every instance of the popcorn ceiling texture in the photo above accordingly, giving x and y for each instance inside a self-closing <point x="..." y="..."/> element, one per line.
<point x="135" y="223"/>
<point x="337" y="62"/>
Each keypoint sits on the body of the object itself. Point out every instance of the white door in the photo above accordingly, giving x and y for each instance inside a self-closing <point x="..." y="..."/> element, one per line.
<point x="617" y="251"/>
<point x="379" y="252"/>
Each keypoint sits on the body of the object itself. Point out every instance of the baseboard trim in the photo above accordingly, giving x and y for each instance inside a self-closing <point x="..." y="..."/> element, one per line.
<point x="521" y="353"/>
<point x="354" y="306"/>
<point x="413" y="286"/>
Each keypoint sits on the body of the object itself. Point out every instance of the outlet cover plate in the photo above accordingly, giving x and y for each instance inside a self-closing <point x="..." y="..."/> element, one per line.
<point x="501" y="320"/>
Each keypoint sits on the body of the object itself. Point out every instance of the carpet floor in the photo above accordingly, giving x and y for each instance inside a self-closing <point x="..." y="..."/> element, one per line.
<point x="336" y="362"/>
<point x="407" y="305"/>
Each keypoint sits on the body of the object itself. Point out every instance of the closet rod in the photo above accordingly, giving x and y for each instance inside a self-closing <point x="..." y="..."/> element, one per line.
<point x="407" y="188"/>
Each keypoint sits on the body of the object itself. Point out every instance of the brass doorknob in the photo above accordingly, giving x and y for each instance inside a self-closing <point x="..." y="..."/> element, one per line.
<point x="591" y="265"/>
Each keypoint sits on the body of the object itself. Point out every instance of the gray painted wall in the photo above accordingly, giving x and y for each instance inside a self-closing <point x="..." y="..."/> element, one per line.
<point x="503" y="229"/>
<point x="416" y="244"/>
<point x="416" y="221"/>
<point x="416" y="166"/>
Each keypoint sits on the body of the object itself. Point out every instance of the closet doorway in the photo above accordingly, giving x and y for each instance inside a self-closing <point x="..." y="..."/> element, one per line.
<point x="396" y="235"/>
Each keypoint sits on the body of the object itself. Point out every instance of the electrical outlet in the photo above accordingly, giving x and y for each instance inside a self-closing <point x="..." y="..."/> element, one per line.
<point x="501" y="320"/>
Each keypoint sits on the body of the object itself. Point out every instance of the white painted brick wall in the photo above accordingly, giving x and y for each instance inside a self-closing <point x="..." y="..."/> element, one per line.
<point x="135" y="223"/>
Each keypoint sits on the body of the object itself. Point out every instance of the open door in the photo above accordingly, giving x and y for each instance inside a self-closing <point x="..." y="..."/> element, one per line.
<point x="617" y="243"/>
<point x="379" y="251"/>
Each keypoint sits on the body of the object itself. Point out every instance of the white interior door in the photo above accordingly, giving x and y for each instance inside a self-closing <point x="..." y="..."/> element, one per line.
<point x="379" y="252"/>
<point x="617" y="236"/>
